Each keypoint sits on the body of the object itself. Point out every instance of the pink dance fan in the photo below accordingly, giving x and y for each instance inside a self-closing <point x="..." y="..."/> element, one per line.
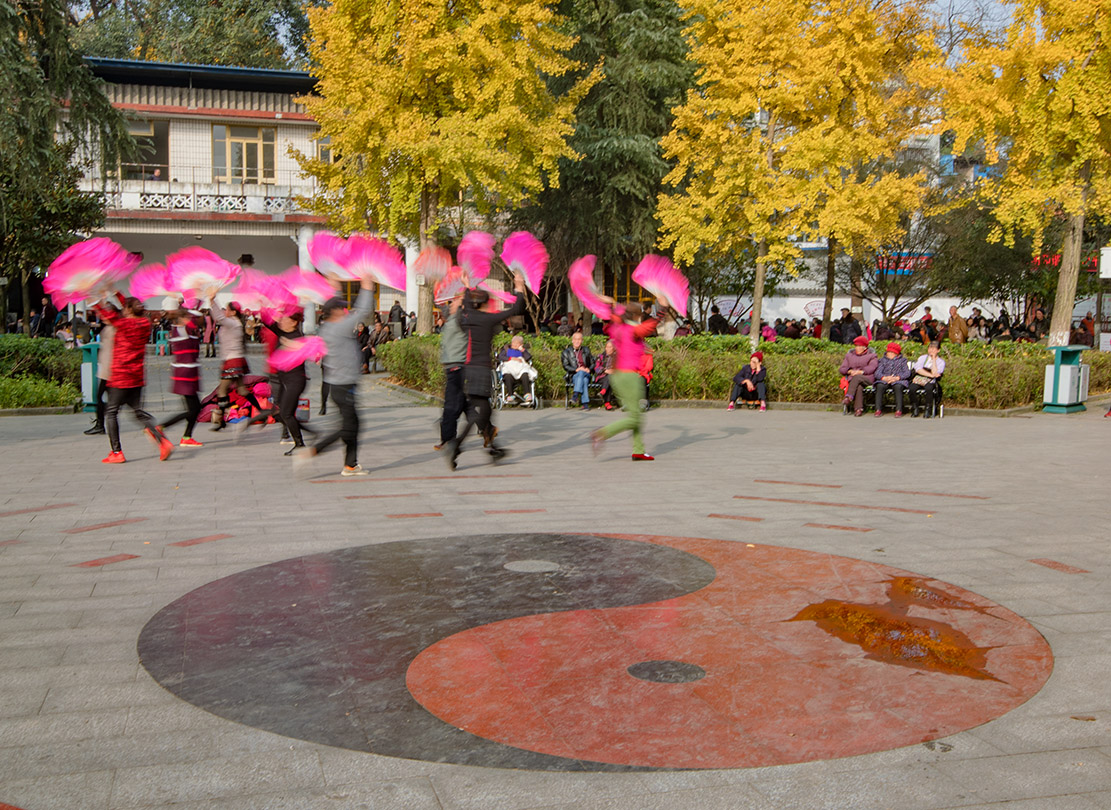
<point x="83" y="267"/>
<point x="449" y="286"/>
<point x="658" y="275"/>
<point x="501" y="295"/>
<point x="328" y="254"/>
<point x="375" y="258"/>
<point x="152" y="281"/>
<point x="525" y="254"/>
<point x="434" y="263"/>
<point x="193" y="270"/>
<point x="308" y="284"/>
<point x="295" y="352"/>
<point x="581" y="277"/>
<point x="251" y="290"/>
<point x="275" y="299"/>
<point x="475" y="253"/>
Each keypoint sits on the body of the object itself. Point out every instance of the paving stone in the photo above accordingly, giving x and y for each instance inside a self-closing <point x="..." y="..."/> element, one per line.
<point x="1017" y="761"/>
<point x="216" y="779"/>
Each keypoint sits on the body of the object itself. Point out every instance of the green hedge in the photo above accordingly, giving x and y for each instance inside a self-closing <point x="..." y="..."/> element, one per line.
<point x="35" y="392"/>
<point x="46" y="358"/>
<point x="701" y="367"/>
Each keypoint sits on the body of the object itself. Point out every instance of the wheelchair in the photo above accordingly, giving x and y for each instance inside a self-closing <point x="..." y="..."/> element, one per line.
<point x="502" y="399"/>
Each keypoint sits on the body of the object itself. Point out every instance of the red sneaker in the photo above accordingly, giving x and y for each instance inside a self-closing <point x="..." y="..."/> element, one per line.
<point x="642" y="457"/>
<point x="165" y="448"/>
<point x="189" y="441"/>
<point x="115" y="457"/>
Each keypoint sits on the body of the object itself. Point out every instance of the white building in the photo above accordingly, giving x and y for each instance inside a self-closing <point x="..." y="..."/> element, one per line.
<point x="217" y="169"/>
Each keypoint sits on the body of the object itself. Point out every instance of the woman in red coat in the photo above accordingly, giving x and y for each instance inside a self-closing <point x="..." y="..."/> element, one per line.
<point x="127" y="376"/>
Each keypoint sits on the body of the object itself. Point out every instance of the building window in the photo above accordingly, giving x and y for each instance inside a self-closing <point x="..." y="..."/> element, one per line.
<point x="617" y="282"/>
<point x="324" y="151"/>
<point x="242" y="154"/>
<point x="153" y="160"/>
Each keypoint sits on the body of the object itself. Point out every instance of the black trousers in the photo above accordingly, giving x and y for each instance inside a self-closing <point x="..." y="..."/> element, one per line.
<point x="511" y="384"/>
<point x="478" y="415"/>
<point x="132" y="398"/>
<point x="344" y="398"/>
<point x="881" y="387"/>
<point x="189" y="415"/>
<point x="927" y="392"/>
<point x="101" y="396"/>
<point x="742" y="392"/>
<point x="290" y="395"/>
<point x="455" y="402"/>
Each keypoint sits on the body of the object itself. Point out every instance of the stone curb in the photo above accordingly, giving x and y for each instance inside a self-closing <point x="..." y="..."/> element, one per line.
<point x="44" y="411"/>
<point x="705" y="404"/>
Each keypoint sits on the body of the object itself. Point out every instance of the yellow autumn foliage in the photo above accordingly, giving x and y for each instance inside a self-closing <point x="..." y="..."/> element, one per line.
<point x="425" y="101"/>
<point x="792" y="131"/>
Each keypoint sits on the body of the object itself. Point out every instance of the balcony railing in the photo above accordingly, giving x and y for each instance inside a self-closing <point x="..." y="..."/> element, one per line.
<point x="146" y="187"/>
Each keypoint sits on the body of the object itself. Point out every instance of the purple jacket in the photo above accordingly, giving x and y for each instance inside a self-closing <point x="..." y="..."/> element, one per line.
<point x="866" y="362"/>
<point x="895" y="367"/>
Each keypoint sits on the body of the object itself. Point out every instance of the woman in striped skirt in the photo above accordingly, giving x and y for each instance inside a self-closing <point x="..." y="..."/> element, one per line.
<point x="185" y="373"/>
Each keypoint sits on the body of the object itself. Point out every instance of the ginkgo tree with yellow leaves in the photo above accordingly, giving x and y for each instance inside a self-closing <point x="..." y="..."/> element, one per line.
<point x="1037" y="98"/>
<point x="425" y="103"/>
<point x="800" y="111"/>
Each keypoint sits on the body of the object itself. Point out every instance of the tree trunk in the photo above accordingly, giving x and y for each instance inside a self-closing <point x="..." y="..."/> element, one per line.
<point x="831" y="264"/>
<point x="25" y="282"/>
<point x="1060" y="325"/>
<point x="428" y="215"/>
<point x="758" y="294"/>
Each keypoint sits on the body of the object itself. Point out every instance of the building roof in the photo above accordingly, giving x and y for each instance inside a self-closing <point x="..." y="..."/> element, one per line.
<point x="220" y="77"/>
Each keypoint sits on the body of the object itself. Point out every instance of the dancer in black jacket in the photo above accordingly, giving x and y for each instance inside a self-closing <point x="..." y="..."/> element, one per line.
<point x="479" y="323"/>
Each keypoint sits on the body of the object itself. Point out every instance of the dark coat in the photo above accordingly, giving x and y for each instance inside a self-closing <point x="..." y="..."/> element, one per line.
<point x="479" y="327"/>
<point x="570" y="364"/>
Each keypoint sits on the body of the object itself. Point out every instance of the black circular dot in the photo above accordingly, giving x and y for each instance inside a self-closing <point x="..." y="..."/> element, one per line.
<point x="667" y="671"/>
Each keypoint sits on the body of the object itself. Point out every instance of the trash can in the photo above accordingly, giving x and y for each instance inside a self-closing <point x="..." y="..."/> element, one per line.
<point x="89" y="354"/>
<point x="1066" y="381"/>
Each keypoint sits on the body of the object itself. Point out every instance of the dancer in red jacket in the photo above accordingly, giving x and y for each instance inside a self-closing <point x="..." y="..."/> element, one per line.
<point x="125" y="383"/>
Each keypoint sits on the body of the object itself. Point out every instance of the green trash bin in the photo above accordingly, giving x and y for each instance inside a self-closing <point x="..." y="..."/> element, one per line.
<point x="1066" y="381"/>
<point x="89" y="353"/>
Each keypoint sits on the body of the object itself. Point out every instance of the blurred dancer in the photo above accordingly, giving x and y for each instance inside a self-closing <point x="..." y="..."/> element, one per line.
<point x="479" y="322"/>
<point x="185" y="373"/>
<point x="453" y="353"/>
<point x="342" y="368"/>
<point x="628" y="331"/>
<point x="288" y="385"/>
<point x="127" y="376"/>
<point x="234" y="366"/>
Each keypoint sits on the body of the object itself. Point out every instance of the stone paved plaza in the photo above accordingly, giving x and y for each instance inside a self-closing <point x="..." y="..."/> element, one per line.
<point x="1002" y="519"/>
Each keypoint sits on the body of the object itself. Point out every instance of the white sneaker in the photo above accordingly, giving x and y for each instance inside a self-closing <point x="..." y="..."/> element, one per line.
<point x="238" y="429"/>
<point x="286" y="440"/>
<point x="356" y="470"/>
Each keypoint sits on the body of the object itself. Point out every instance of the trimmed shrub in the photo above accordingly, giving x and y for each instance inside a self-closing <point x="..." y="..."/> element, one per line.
<point x="39" y="357"/>
<point x="35" y="392"/>
<point x="701" y="367"/>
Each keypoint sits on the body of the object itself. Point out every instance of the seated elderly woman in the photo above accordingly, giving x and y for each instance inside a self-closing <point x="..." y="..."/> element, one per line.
<point x="515" y="368"/>
<point x="892" y="371"/>
<point x="604" y="365"/>
<point x="928" y="369"/>
<point x="750" y="383"/>
<point x="858" y="368"/>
